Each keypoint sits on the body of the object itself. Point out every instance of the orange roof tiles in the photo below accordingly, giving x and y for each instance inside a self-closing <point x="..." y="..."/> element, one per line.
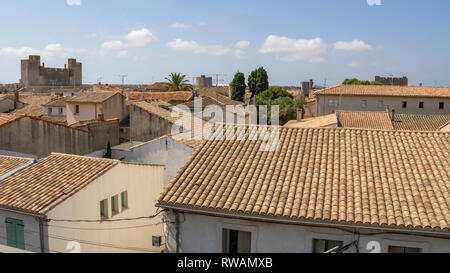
<point x="316" y="122"/>
<point x="11" y="163"/>
<point x="91" y="97"/>
<point x="363" y="177"/>
<point x="365" y="120"/>
<point x="384" y="90"/>
<point x="163" y="96"/>
<point x="48" y="182"/>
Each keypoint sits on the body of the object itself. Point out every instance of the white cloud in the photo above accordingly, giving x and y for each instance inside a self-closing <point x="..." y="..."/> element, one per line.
<point x="113" y="45"/>
<point x="374" y="2"/>
<point x="354" y="64"/>
<point x="180" y="25"/>
<point x="74" y="2"/>
<point x="242" y="44"/>
<point x="49" y="51"/>
<point x="211" y="50"/>
<point x="295" y="49"/>
<point x="139" y="38"/>
<point x="354" y="45"/>
<point x="122" y="54"/>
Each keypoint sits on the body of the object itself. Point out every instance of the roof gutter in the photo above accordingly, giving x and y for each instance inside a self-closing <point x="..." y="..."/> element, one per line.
<point x="304" y="222"/>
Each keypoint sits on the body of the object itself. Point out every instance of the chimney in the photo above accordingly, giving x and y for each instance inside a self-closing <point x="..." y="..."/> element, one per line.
<point x="16" y="98"/>
<point x="101" y="117"/>
<point x="300" y="114"/>
<point x="65" y="66"/>
<point x="43" y="64"/>
<point x="393" y="115"/>
<point x="420" y="84"/>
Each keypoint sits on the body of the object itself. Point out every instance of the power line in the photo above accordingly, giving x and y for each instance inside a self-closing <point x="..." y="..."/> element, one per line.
<point x="106" y="220"/>
<point x="217" y="78"/>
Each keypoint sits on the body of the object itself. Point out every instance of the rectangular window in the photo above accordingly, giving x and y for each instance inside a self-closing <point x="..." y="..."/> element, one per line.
<point x="441" y="106"/>
<point x="401" y="249"/>
<point x="333" y="103"/>
<point x="322" y="246"/>
<point x="50" y="110"/>
<point x="104" y="208"/>
<point x="380" y="104"/>
<point x="405" y="104"/>
<point x="364" y="104"/>
<point x="234" y="241"/>
<point x="421" y="105"/>
<point x="124" y="199"/>
<point x="115" y="204"/>
<point x="60" y="110"/>
<point x="15" y="233"/>
<point x="77" y="109"/>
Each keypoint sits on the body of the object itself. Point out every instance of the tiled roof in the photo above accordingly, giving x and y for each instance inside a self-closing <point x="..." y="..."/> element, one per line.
<point x="60" y="102"/>
<point x="9" y="118"/>
<point x="156" y="108"/>
<point x="10" y="163"/>
<point x="383" y="121"/>
<point x="316" y="122"/>
<point x="384" y="90"/>
<point x="34" y="104"/>
<point x="163" y="96"/>
<point x="363" y="177"/>
<point x="108" y="88"/>
<point x="420" y="122"/>
<point x="365" y="120"/>
<point x="91" y="97"/>
<point x="45" y="184"/>
<point x="217" y="94"/>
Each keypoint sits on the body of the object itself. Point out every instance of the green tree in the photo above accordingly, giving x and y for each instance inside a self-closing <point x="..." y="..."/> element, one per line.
<point x="355" y="81"/>
<point x="258" y="81"/>
<point x="177" y="82"/>
<point x="238" y="87"/>
<point x="288" y="105"/>
<point x="108" y="151"/>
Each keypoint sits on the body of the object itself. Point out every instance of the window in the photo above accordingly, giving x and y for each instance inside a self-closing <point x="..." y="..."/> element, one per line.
<point x="115" y="204"/>
<point x="15" y="233"/>
<point x="60" y="110"/>
<point x="333" y="103"/>
<point x="401" y="249"/>
<point x="124" y="199"/>
<point x="405" y="104"/>
<point x="380" y="104"/>
<point x="104" y="209"/>
<point x="50" y="110"/>
<point x="322" y="246"/>
<point x="421" y="105"/>
<point x="77" y="109"/>
<point x="441" y="106"/>
<point x="234" y="241"/>
<point x="364" y="104"/>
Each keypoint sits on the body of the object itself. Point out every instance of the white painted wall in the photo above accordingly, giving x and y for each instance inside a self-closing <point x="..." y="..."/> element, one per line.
<point x="87" y="112"/>
<point x="143" y="183"/>
<point x="203" y="234"/>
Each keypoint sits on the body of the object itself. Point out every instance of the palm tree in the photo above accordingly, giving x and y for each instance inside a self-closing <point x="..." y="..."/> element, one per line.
<point x="178" y="82"/>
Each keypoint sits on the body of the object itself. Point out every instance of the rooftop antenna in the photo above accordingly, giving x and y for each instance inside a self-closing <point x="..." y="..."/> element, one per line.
<point x="217" y="78"/>
<point x="123" y="77"/>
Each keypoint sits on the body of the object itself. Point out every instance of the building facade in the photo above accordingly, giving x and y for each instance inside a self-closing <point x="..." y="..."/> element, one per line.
<point x="35" y="74"/>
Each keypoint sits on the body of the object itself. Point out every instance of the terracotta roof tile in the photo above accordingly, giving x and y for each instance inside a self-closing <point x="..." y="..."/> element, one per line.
<point x="163" y="96"/>
<point x="384" y="90"/>
<point x="366" y="177"/>
<point x="6" y="119"/>
<point x="420" y="122"/>
<point x="316" y="122"/>
<point x="91" y="97"/>
<point x="11" y="163"/>
<point x="365" y="120"/>
<point x="48" y="182"/>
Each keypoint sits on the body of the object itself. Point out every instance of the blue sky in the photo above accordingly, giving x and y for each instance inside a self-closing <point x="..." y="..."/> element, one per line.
<point x="294" y="40"/>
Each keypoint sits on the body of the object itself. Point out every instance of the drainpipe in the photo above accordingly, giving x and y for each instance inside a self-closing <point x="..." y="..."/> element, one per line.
<point x="41" y="233"/>
<point x="177" y="231"/>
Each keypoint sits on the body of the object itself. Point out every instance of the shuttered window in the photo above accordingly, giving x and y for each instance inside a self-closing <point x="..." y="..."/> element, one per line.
<point x="15" y="233"/>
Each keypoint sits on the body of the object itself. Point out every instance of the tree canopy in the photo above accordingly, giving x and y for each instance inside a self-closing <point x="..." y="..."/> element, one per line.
<point x="355" y="81"/>
<point x="258" y="81"/>
<point x="177" y="82"/>
<point x="238" y="87"/>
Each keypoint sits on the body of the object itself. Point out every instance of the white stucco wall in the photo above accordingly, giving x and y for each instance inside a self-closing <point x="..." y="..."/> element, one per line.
<point x="143" y="183"/>
<point x="87" y="112"/>
<point x="203" y="234"/>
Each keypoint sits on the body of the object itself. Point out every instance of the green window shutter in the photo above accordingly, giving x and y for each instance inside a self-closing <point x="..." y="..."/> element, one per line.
<point x="113" y="205"/>
<point x="122" y="196"/>
<point x="15" y="233"/>
<point x="11" y="232"/>
<point x="20" y="234"/>
<point x="102" y="208"/>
